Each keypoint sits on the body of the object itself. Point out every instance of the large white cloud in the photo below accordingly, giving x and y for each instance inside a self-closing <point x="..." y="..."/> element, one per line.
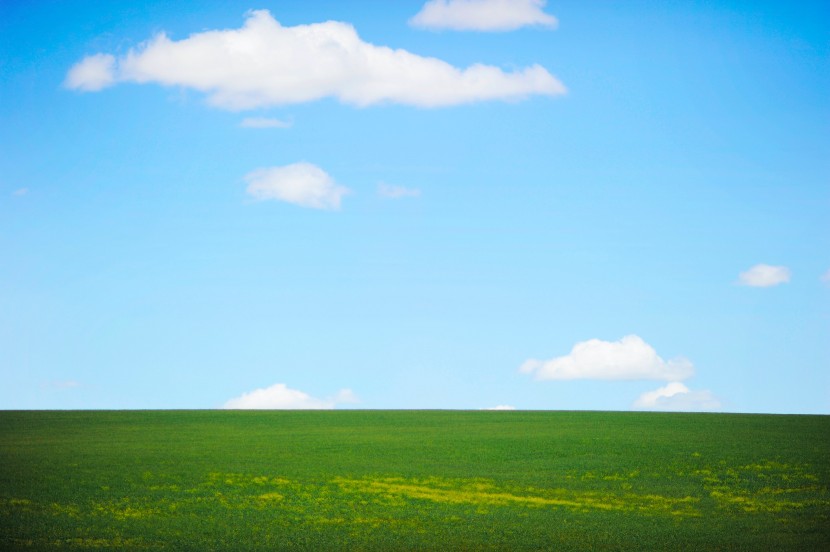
<point x="764" y="275"/>
<point x="302" y="184"/>
<point x="282" y="397"/>
<point x="677" y="397"/>
<point x="482" y="15"/>
<point x="92" y="73"/>
<point x="630" y="358"/>
<point x="266" y="64"/>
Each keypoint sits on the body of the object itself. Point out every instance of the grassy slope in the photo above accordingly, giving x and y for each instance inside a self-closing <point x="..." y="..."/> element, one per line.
<point x="206" y="480"/>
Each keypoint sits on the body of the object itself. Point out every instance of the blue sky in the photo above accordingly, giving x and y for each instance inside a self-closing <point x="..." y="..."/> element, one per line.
<point x="503" y="203"/>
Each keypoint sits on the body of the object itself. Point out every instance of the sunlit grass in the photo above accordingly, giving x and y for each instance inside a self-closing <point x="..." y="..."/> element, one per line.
<point x="412" y="480"/>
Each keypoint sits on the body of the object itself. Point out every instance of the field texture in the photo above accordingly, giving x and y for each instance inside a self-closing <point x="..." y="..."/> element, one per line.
<point x="402" y="480"/>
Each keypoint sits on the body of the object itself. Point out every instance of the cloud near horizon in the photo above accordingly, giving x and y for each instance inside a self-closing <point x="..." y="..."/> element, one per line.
<point x="265" y="64"/>
<point x="764" y="275"/>
<point x="281" y="397"/>
<point x="630" y="358"/>
<point x="302" y="184"/>
<point x="676" y="397"/>
<point x="482" y="15"/>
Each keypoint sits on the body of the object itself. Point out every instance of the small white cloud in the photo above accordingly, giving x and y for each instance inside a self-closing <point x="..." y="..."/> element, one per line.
<point x="482" y="15"/>
<point x="302" y="184"/>
<point x="282" y="397"/>
<point x="397" y="192"/>
<point x="501" y="407"/>
<point x="630" y="358"/>
<point x="826" y="277"/>
<point x="265" y="64"/>
<point x="346" y="396"/>
<point x="263" y="122"/>
<point x="92" y="73"/>
<point x="20" y="192"/>
<point x="678" y="398"/>
<point x="764" y="275"/>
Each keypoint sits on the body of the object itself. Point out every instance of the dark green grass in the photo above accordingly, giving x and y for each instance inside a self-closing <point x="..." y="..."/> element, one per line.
<point x="404" y="480"/>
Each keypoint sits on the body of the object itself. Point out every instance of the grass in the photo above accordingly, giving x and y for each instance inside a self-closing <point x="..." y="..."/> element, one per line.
<point x="407" y="480"/>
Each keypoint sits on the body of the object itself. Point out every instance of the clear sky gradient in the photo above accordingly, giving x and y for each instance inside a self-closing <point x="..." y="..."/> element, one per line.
<point x="516" y="204"/>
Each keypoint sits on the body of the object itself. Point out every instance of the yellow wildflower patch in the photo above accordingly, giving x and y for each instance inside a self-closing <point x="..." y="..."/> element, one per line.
<point x="482" y="494"/>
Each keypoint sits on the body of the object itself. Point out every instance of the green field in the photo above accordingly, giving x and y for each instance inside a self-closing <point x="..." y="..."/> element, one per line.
<point x="409" y="480"/>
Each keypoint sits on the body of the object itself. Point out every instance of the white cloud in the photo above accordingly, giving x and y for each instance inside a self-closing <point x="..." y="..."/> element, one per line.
<point x="826" y="277"/>
<point x="501" y="407"/>
<point x="346" y="396"/>
<point x="282" y="397"/>
<point x="677" y="397"/>
<point x="263" y="122"/>
<point x="20" y="192"/>
<point x="396" y="192"/>
<point x="630" y="358"/>
<point x="764" y="275"/>
<point x="482" y="15"/>
<point x="302" y="184"/>
<point x="92" y="73"/>
<point x="265" y="64"/>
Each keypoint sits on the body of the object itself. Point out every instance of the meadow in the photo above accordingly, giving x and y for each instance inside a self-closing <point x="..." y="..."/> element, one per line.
<point x="413" y="480"/>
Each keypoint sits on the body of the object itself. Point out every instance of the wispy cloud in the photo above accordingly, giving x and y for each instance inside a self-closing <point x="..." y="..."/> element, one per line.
<point x="630" y="358"/>
<point x="263" y="122"/>
<point x="63" y="384"/>
<point x="265" y="64"/>
<point x="397" y="192"/>
<point x="501" y="407"/>
<point x="281" y="397"/>
<point x="302" y="184"/>
<point x="482" y="15"/>
<point x="677" y="397"/>
<point x="764" y="275"/>
<point x="826" y="277"/>
<point x="20" y="192"/>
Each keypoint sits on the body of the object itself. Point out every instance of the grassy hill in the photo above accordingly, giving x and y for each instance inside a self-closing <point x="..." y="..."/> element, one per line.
<point x="404" y="480"/>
